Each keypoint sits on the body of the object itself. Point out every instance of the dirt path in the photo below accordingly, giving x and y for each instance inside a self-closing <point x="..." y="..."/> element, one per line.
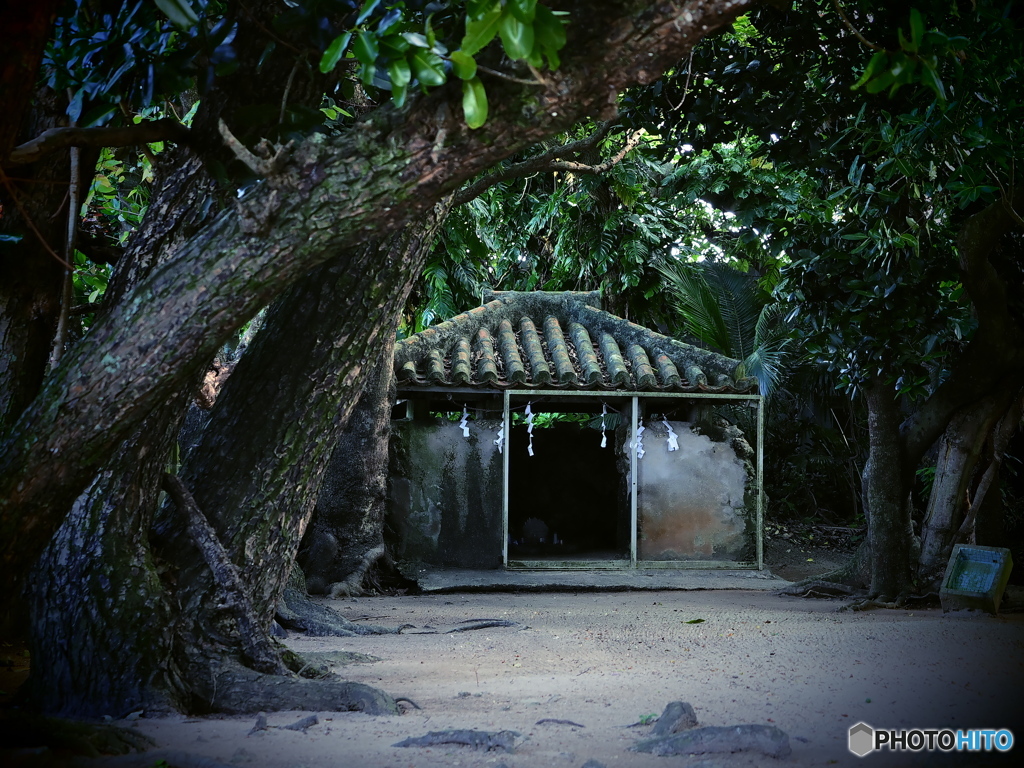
<point x="605" y="660"/>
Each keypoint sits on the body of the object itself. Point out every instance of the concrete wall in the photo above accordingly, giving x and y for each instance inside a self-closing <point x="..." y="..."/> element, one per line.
<point x="446" y="493"/>
<point x="695" y="503"/>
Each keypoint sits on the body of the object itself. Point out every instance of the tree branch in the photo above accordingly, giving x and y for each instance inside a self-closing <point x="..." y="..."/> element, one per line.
<point x="125" y="136"/>
<point x="631" y="142"/>
<point x="853" y="29"/>
<point x="544" y="162"/>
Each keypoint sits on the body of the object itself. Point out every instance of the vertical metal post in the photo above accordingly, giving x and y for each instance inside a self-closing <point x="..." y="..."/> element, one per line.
<point x="633" y="467"/>
<point x="760" y="483"/>
<point x="506" y="426"/>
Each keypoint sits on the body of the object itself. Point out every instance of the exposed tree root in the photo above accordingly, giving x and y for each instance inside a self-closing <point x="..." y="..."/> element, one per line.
<point x="870" y="603"/>
<point x="235" y="689"/>
<point x="490" y="741"/>
<point x="298" y="612"/>
<point x="256" y="642"/>
<point x="352" y="586"/>
<point x="819" y="587"/>
<point x="847" y="580"/>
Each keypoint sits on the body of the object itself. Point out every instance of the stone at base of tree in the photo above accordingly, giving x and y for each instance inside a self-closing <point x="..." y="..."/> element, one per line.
<point x="766" y="739"/>
<point x="678" y="716"/>
<point x="499" y="741"/>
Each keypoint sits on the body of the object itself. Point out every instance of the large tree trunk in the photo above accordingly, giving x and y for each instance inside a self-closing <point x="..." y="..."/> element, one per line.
<point x="102" y="620"/>
<point x="346" y="535"/>
<point x="333" y="194"/>
<point x="258" y="468"/>
<point x="887" y="497"/>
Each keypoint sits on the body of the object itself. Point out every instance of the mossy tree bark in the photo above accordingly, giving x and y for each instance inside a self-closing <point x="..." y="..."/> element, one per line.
<point x="346" y="535"/>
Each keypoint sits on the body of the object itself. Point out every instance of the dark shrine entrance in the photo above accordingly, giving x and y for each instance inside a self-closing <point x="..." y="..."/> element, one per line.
<point x="567" y="502"/>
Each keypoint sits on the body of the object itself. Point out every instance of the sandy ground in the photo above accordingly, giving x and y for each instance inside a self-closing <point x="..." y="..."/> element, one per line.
<point x="606" y="660"/>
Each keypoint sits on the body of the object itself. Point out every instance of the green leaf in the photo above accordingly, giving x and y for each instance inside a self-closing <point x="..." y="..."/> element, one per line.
<point x="400" y="73"/>
<point x="366" y="73"/>
<point x="334" y="52"/>
<point x="479" y="32"/>
<point x="477" y="9"/>
<point x="463" y="65"/>
<point x="524" y="10"/>
<point x="366" y="48"/>
<point x="881" y="82"/>
<point x="474" y="102"/>
<point x="429" y="29"/>
<point x="516" y="36"/>
<point x="394" y="46"/>
<point x="179" y="12"/>
<point x="549" y="32"/>
<point x="428" y="67"/>
<point x="916" y="29"/>
<point x="398" y="94"/>
<point x="416" y="39"/>
<point x="905" y="44"/>
<point x="695" y="621"/>
<point x="878" y="62"/>
<point x="368" y="7"/>
<point x="930" y="78"/>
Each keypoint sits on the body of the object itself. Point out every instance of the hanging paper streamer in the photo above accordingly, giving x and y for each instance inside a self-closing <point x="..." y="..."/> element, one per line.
<point x="529" y="427"/>
<point x="673" y="438"/>
<point x="639" y="443"/>
<point x="500" y="442"/>
<point x="463" y="424"/>
<point x="604" y="412"/>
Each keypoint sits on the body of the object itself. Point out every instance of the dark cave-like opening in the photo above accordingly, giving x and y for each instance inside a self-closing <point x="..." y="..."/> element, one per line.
<point x="566" y="502"/>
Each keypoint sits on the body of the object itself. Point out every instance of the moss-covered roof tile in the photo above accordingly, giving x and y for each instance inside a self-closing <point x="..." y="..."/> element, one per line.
<point x="562" y="340"/>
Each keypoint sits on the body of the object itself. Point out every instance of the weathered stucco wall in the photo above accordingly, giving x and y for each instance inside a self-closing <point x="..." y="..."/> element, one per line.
<point x="695" y="503"/>
<point x="446" y="493"/>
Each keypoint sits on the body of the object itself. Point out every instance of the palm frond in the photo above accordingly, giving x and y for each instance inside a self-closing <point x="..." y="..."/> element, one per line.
<point x="738" y="301"/>
<point x="770" y="357"/>
<point x="698" y="305"/>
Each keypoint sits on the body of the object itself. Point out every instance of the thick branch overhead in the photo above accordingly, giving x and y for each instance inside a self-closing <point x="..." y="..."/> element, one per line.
<point x="126" y="136"/>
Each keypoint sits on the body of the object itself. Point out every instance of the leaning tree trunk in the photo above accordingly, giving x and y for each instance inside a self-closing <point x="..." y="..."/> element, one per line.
<point x="960" y="450"/>
<point x="887" y="497"/>
<point x="346" y="535"/>
<point x="257" y="469"/>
